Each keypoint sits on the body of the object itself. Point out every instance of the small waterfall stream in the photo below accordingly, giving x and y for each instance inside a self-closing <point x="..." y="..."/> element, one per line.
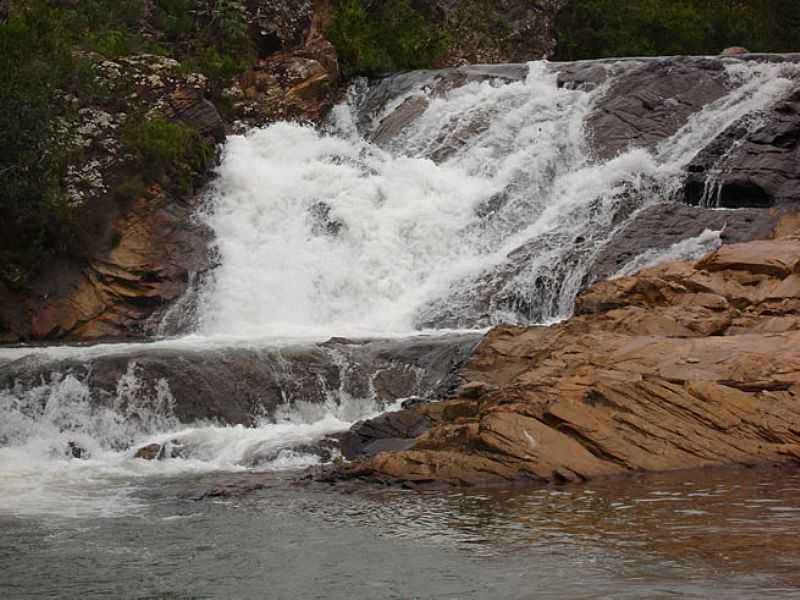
<point x="438" y="208"/>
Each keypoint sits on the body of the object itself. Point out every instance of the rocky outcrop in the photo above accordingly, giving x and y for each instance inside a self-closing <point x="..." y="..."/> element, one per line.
<point x="651" y="102"/>
<point x="144" y="248"/>
<point x="680" y="366"/>
<point x="143" y="244"/>
<point x="752" y="163"/>
<point x="242" y="385"/>
<point x="296" y="74"/>
<point x="500" y="31"/>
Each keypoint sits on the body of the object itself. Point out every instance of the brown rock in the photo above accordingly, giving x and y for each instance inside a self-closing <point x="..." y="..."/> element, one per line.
<point x="734" y="51"/>
<point x="150" y="452"/>
<point x="677" y="367"/>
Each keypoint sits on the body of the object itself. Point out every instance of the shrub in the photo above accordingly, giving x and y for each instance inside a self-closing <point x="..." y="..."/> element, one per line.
<point x="169" y="153"/>
<point x="373" y="37"/>
<point x="603" y="28"/>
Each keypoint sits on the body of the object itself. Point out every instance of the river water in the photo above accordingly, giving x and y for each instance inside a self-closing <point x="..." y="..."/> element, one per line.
<point x="707" y="535"/>
<point x="323" y="233"/>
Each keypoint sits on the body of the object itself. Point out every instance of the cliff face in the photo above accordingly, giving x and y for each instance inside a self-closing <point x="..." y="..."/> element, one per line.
<point x="145" y="248"/>
<point x="680" y="366"/>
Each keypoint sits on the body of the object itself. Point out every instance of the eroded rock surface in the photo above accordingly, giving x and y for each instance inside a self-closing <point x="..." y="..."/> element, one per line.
<point x="242" y="385"/>
<point x="681" y="366"/>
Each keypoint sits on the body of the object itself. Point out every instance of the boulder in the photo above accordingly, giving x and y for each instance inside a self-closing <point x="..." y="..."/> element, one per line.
<point x="150" y="452"/>
<point x="734" y="51"/>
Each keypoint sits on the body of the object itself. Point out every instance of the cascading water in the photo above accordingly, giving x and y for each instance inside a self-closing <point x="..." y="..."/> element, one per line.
<point x="485" y="206"/>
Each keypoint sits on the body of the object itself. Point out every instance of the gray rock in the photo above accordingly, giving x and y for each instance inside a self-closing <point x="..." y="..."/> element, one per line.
<point x="650" y="103"/>
<point x="660" y="226"/>
<point x="241" y="386"/>
<point x="389" y="432"/>
<point x="747" y="166"/>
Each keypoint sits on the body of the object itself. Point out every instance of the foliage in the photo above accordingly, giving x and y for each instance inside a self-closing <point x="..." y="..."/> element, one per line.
<point x="170" y="153"/>
<point x="33" y="215"/>
<point x="210" y="37"/>
<point x="603" y="28"/>
<point x="47" y="53"/>
<point x="373" y="37"/>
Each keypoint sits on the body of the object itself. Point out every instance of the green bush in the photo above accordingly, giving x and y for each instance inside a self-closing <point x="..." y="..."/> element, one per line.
<point x="604" y="28"/>
<point x="41" y="75"/>
<point x="210" y="37"/>
<point x="169" y="153"/>
<point x="373" y="37"/>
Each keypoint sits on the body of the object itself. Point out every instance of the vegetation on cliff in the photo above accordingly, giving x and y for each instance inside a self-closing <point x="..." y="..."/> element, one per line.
<point x="48" y="57"/>
<point x="605" y="28"/>
<point x="373" y="37"/>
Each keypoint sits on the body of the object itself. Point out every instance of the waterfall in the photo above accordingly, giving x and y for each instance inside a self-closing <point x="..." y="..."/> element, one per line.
<point x="486" y="206"/>
<point x="422" y="205"/>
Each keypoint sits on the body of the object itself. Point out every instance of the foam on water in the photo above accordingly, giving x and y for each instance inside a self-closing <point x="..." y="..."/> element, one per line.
<point x="40" y="426"/>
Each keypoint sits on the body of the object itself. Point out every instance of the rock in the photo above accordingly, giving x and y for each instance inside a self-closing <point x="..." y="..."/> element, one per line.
<point x="751" y="163"/>
<point x="656" y="229"/>
<point x="390" y="431"/>
<point x="155" y="451"/>
<point x="734" y="51"/>
<point x="75" y="450"/>
<point x="651" y="102"/>
<point x="245" y="385"/>
<point x="686" y="365"/>
<point x="150" y="452"/>
<point x="145" y="247"/>
<point x="500" y="32"/>
<point x="474" y="389"/>
<point x="413" y="402"/>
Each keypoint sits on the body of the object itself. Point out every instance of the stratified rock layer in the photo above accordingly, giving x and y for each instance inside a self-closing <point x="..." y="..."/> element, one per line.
<point x="680" y="366"/>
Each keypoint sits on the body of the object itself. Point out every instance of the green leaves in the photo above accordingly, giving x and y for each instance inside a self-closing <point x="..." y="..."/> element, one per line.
<point x="169" y="153"/>
<point x="373" y="37"/>
<point x="605" y="28"/>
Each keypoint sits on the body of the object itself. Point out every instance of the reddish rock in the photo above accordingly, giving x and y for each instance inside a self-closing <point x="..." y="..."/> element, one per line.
<point x="680" y="366"/>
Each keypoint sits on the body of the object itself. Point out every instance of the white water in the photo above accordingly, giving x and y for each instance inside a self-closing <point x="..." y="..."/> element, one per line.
<point x="323" y="234"/>
<point x="411" y="236"/>
<point x="39" y="476"/>
<point x="685" y="250"/>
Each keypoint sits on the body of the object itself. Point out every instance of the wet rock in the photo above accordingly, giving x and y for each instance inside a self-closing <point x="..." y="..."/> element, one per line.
<point x="390" y="431"/>
<point x="155" y="451"/>
<point x="243" y="386"/>
<point x="651" y="102"/>
<point x="681" y="366"/>
<point x="75" y="450"/>
<point x="150" y="452"/>
<point x="413" y="402"/>
<point x="659" y="227"/>
<point x="751" y="164"/>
